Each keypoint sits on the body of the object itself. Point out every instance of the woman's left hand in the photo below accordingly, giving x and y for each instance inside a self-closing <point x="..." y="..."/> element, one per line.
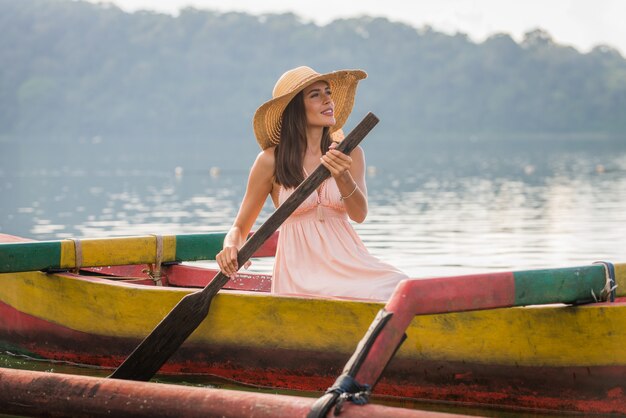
<point x="348" y="172"/>
<point x="336" y="161"/>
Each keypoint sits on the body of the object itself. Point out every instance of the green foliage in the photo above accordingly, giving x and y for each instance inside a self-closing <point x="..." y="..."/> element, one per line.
<point x="74" y="70"/>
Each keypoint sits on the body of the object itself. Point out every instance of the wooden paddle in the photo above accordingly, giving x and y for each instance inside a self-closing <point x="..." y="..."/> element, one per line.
<point x="185" y="317"/>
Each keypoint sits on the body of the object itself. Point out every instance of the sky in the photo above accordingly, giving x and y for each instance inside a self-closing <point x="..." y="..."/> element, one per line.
<point x="582" y="24"/>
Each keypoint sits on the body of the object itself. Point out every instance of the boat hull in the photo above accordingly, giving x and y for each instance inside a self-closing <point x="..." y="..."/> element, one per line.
<point x="566" y="358"/>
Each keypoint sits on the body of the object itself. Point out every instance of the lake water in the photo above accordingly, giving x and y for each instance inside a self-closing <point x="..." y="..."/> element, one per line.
<point x="441" y="210"/>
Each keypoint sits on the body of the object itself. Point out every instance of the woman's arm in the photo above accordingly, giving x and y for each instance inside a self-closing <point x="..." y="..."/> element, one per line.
<point x="349" y="174"/>
<point x="260" y="183"/>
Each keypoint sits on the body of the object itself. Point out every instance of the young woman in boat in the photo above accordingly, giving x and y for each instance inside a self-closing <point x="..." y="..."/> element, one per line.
<point x="318" y="252"/>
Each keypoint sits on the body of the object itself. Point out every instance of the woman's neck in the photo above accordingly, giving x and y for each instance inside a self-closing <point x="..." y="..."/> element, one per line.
<point x="314" y="140"/>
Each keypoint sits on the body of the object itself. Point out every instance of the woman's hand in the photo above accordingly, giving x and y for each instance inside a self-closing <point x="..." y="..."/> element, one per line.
<point x="227" y="261"/>
<point x="336" y="161"/>
<point x="349" y="174"/>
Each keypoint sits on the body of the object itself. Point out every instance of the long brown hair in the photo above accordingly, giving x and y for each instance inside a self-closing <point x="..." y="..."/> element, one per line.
<point x="289" y="153"/>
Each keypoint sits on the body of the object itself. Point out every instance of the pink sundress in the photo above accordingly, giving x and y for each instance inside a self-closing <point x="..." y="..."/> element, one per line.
<point x="320" y="253"/>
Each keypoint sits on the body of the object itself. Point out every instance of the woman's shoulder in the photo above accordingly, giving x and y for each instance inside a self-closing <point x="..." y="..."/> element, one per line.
<point x="264" y="164"/>
<point x="266" y="158"/>
<point x="264" y="169"/>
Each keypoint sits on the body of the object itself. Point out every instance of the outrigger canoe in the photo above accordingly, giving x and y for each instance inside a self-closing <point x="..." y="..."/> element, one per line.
<point x="537" y="343"/>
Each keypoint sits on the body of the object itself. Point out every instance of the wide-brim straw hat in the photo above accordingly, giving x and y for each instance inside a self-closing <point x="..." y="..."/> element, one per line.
<point x="268" y="117"/>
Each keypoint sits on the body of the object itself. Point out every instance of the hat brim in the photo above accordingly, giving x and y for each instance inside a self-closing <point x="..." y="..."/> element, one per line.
<point x="268" y="117"/>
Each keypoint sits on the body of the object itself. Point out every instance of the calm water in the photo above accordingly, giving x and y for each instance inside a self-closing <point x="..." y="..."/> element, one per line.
<point x="434" y="211"/>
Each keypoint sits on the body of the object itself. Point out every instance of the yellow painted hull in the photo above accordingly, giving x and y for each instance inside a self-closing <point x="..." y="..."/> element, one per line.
<point x="302" y="343"/>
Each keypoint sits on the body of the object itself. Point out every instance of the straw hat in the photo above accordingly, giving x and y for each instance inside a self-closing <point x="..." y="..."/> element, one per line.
<point x="268" y="117"/>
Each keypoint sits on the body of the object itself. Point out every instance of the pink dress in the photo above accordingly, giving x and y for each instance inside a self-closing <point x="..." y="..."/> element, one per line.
<point x="320" y="253"/>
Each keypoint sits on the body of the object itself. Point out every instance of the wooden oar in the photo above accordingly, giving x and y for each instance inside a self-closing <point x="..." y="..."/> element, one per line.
<point x="185" y="317"/>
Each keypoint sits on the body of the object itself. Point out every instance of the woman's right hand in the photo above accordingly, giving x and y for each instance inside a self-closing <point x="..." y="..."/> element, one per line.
<point x="227" y="260"/>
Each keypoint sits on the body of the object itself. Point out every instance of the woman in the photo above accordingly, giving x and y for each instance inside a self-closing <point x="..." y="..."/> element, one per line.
<point x="318" y="251"/>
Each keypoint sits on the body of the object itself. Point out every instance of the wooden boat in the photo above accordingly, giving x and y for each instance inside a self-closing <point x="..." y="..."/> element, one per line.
<point x="546" y="356"/>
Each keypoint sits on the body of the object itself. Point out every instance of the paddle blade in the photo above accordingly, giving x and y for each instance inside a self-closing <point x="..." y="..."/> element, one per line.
<point x="146" y="360"/>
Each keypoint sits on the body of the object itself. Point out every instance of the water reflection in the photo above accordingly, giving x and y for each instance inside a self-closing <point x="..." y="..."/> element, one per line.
<point x="431" y="213"/>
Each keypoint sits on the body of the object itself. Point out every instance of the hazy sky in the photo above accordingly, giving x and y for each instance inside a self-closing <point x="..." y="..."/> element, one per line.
<point x="580" y="23"/>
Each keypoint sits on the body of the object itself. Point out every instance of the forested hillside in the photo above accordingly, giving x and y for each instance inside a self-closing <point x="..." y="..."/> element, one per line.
<point x="71" y="70"/>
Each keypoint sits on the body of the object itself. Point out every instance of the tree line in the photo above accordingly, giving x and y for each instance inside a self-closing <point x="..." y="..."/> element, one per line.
<point x="72" y="70"/>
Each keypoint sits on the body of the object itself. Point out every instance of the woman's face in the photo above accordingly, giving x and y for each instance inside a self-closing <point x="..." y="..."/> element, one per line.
<point x="318" y="105"/>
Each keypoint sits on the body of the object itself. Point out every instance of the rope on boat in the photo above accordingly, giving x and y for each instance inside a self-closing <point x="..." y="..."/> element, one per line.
<point x="608" y="292"/>
<point x="155" y="273"/>
<point x="78" y="255"/>
<point x="348" y="389"/>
